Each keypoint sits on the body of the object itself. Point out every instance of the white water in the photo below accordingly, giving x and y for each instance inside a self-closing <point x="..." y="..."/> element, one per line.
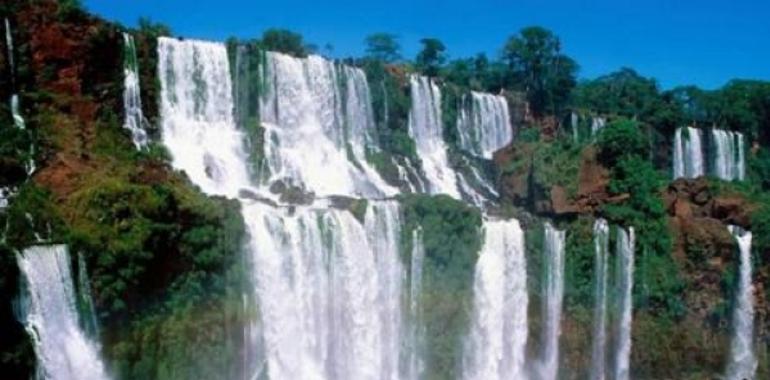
<point x="48" y="311"/>
<point x="414" y="329"/>
<point x="597" y="123"/>
<point x="18" y="119"/>
<point x="553" y="293"/>
<point x="599" y="350"/>
<point x="496" y="345"/>
<point x="574" y="123"/>
<point x="728" y="156"/>
<point x="132" y="103"/>
<point x="742" y="362"/>
<point x="319" y="124"/>
<point x="329" y="290"/>
<point x="688" y="153"/>
<point x="425" y="127"/>
<point x="625" y="283"/>
<point x="197" y="115"/>
<point x="484" y="124"/>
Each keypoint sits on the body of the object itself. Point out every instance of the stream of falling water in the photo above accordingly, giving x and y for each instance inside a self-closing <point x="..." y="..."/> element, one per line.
<point x="601" y="261"/>
<point x="742" y="361"/>
<point x="553" y="293"/>
<point x="48" y="310"/>
<point x="132" y="102"/>
<point x="496" y="345"/>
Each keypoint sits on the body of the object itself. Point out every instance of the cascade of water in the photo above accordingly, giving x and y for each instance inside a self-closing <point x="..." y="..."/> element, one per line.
<point x="597" y="123"/>
<point x="742" y="363"/>
<point x="197" y="115"/>
<point x="132" y="102"/>
<point x="553" y="290"/>
<point x="625" y="280"/>
<point x="413" y="341"/>
<point x="48" y="311"/>
<point x="87" y="309"/>
<point x="495" y="348"/>
<point x="318" y="130"/>
<point x="728" y="155"/>
<point x="484" y="124"/>
<point x="18" y="119"/>
<point x="574" y="123"/>
<point x="598" y="352"/>
<point x="9" y="47"/>
<point x="688" y="153"/>
<point x="329" y="289"/>
<point x="425" y="128"/>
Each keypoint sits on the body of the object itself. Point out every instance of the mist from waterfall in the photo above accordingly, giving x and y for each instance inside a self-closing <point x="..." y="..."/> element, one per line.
<point x="47" y="307"/>
<point x="601" y="262"/>
<point x="624" y="285"/>
<point x="132" y="102"/>
<point x="496" y="345"/>
<point x="553" y="296"/>
<point x="319" y="125"/>
<point x="484" y="124"/>
<point x="688" y="153"/>
<point x="742" y="362"/>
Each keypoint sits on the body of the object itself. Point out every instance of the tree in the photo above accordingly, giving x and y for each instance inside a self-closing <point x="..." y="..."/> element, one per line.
<point x="383" y="47"/>
<point x="285" y="41"/>
<point x="153" y="29"/>
<point x="431" y="57"/>
<point x="536" y="64"/>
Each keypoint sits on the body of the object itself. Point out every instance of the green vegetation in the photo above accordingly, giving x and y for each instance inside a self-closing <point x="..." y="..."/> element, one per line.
<point x="284" y="41"/>
<point x="431" y="57"/>
<point x="623" y="147"/>
<point x="383" y="47"/>
<point x="537" y="66"/>
<point x="451" y="232"/>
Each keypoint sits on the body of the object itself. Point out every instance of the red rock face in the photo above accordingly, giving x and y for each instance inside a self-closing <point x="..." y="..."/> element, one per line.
<point x="694" y="198"/>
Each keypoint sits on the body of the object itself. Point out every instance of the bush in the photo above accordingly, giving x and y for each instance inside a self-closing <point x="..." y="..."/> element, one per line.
<point x="621" y="138"/>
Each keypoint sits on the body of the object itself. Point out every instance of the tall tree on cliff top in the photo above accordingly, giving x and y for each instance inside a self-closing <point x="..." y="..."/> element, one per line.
<point x="383" y="47"/>
<point x="432" y="56"/>
<point x="537" y="66"/>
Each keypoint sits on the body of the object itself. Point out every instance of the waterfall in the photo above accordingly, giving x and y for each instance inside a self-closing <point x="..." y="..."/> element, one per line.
<point x="197" y="115"/>
<point x="414" y="338"/>
<point x="597" y="123"/>
<point x="625" y="283"/>
<point x="328" y="286"/>
<point x="729" y="161"/>
<point x="18" y="119"/>
<point x="329" y="290"/>
<point x="553" y="293"/>
<point x="484" y="124"/>
<point x="742" y="363"/>
<point x="495" y="348"/>
<point x="132" y="102"/>
<point x="319" y="125"/>
<point x="688" y="153"/>
<point x="574" y="123"/>
<point x="598" y="351"/>
<point x="49" y="313"/>
<point x="425" y="127"/>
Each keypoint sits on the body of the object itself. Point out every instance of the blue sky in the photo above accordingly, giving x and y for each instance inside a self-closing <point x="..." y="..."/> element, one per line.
<point x="704" y="42"/>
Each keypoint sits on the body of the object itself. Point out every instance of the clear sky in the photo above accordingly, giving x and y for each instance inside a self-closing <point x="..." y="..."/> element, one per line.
<point x="705" y="42"/>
